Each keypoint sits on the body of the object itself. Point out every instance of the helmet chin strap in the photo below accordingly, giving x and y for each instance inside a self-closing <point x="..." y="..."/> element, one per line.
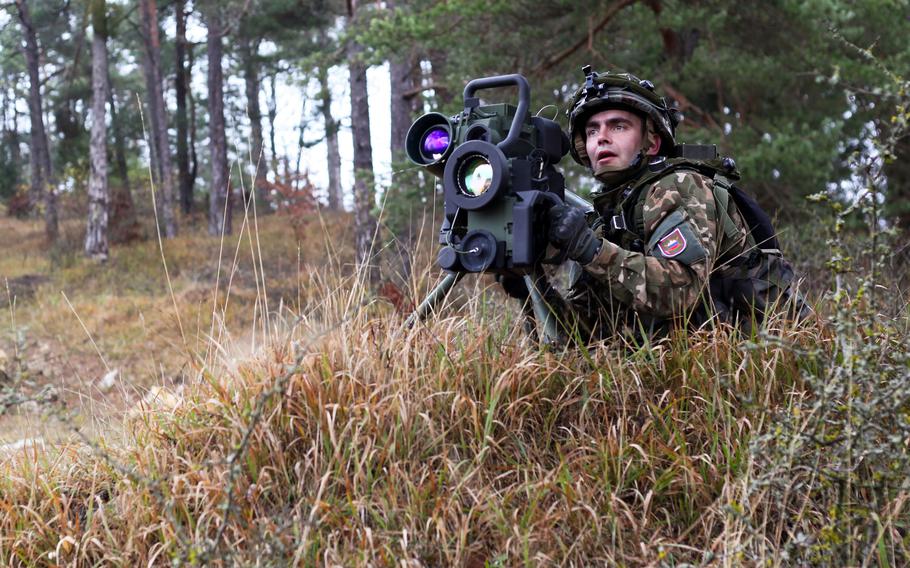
<point x="614" y="176"/>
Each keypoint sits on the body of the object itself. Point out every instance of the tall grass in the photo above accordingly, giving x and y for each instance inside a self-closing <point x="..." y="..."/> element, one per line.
<point x="343" y="437"/>
<point x="348" y="438"/>
<point x="354" y="440"/>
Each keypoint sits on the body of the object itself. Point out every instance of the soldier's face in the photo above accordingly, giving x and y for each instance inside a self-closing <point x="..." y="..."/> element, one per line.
<point x="614" y="137"/>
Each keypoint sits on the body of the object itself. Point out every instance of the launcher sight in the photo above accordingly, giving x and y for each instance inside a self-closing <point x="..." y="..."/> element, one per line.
<point x="497" y="166"/>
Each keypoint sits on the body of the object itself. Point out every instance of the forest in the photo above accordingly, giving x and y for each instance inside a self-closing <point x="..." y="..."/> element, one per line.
<point x="212" y="238"/>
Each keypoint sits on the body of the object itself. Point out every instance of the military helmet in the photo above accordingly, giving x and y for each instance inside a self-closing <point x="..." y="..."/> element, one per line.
<point x="610" y="90"/>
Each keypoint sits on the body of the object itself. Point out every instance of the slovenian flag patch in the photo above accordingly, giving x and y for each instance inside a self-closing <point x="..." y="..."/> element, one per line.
<point x="673" y="244"/>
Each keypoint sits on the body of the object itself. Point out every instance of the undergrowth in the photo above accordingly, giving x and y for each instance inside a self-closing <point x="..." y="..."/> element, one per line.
<point x="347" y="438"/>
<point x="356" y="440"/>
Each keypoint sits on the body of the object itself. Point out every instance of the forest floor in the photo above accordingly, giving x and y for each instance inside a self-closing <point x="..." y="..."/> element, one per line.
<point x="102" y="338"/>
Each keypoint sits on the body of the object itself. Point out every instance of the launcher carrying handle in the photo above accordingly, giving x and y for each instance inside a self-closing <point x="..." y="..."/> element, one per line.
<point x="524" y="101"/>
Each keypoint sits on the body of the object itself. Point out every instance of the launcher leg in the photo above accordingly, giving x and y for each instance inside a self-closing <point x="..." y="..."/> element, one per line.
<point x="436" y="295"/>
<point x="548" y="327"/>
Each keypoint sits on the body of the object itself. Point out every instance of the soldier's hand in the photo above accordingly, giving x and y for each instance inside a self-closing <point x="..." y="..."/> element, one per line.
<point x="569" y="232"/>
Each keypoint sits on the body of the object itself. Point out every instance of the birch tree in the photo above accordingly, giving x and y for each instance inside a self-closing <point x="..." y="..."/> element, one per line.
<point x="96" y="232"/>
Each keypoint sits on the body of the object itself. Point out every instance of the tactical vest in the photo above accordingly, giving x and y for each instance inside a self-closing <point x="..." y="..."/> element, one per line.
<point x="749" y="276"/>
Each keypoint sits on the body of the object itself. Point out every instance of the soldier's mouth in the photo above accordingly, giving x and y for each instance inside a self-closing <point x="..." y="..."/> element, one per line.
<point x="601" y="156"/>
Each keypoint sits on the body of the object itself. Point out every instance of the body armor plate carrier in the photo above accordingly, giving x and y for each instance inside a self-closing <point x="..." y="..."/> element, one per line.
<point x="748" y="279"/>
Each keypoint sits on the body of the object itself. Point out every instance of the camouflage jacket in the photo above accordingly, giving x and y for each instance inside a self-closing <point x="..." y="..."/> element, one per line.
<point x="649" y="278"/>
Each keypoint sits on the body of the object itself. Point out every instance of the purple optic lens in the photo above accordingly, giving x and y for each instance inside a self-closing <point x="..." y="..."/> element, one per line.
<point x="436" y="141"/>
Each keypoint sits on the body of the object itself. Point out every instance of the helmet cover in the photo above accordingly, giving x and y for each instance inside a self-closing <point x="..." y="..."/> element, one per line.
<point x="603" y="91"/>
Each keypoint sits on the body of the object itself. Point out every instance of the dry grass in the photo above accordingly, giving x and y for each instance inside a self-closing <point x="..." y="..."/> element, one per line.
<point x="329" y="433"/>
<point x="27" y="256"/>
<point x="68" y="321"/>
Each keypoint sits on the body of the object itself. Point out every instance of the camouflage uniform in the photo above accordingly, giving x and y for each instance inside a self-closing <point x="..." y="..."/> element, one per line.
<point x="645" y="282"/>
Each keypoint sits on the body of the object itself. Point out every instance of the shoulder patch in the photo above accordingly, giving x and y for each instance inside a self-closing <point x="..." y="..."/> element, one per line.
<point x="676" y="239"/>
<point x="673" y="244"/>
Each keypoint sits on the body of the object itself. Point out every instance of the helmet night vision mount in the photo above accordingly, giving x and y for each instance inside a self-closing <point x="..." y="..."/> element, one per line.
<point x="497" y="168"/>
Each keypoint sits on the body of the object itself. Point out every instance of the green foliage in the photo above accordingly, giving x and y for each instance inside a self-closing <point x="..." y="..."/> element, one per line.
<point x="282" y="20"/>
<point x="842" y="445"/>
<point x="789" y="111"/>
<point x="70" y="98"/>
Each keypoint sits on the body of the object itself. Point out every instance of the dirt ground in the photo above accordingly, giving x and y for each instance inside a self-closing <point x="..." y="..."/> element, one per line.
<point x="82" y="343"/>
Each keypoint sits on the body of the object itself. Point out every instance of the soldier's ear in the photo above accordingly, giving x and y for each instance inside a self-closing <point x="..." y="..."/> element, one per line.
<point x="653" y="145"/>
<point x="651" y="142"/>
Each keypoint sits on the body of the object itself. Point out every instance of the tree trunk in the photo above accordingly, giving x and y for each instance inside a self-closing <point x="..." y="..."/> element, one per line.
<point x="220" y="202"/>
<point x="96" y="246"/>
<point x="273" y="113"/>
<point x="183" y="158"/>
<point x="42" y="182"/>
<point x="364" y="199"/>
<point x="194" y="159"/>
<point x="439" y="62"/>
<point x="157" y="114"/>
<point x="404" y="101"/>
<point x="301" y="143"/>
<point x="11" y="134"/>
<point x="248" y="51"/>
<point x="119" y="143"/>
<point x="7" y="105"/>
<point x="124" y="227"/>
<point x="404" y="73"/>
<point x="331" y="140"/>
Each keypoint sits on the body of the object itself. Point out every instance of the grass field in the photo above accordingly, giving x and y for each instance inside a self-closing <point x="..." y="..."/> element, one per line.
<point x="268" y="409"/>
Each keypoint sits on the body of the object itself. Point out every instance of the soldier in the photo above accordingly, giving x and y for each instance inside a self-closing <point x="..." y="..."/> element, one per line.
<point x="667" y="246"/>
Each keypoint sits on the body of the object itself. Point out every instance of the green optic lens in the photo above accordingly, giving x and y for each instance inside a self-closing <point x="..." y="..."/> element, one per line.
<point x="477" y="176"/>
